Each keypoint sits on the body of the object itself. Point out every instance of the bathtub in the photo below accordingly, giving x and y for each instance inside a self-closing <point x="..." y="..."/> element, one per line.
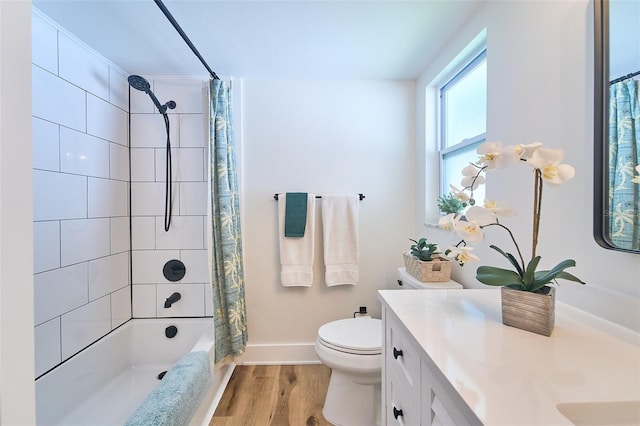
<point x="105" y="383"/>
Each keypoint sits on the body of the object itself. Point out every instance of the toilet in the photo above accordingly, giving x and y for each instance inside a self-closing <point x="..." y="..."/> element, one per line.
<point x="352" y="348"/>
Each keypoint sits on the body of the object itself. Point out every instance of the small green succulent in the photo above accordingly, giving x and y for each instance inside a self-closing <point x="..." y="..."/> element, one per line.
<point x="423" y="250"/>
<point x="450" y="204"/>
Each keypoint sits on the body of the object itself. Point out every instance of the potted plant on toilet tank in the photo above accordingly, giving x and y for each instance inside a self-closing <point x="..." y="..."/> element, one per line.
<point x="424" y="263"/>
<point x="527" y="294"/>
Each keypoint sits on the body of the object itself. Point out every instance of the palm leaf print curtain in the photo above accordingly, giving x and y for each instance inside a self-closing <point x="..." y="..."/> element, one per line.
<point x="624" y="156"/>
<point x="227" y="267"/>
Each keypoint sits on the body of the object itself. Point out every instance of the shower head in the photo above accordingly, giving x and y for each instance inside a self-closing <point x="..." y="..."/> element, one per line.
<point x="139" y="83"/>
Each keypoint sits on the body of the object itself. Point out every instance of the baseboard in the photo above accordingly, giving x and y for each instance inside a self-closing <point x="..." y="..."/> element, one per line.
<point x="280" y="354"/>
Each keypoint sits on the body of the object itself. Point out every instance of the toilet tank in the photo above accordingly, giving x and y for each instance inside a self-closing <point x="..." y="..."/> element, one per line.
<point x="407" y="281"/>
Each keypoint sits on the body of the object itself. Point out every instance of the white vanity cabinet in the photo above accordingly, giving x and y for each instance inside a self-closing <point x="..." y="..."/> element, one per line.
<point x="413" y="394"/>
<point x="449" y="360"/>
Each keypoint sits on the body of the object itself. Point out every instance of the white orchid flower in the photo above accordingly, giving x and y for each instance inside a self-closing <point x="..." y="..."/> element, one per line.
<point x="492" y="155"/>
<point x="469" y="231"/>
<point x="525" y="152"/>
<point x="462" y="254"/>
<point x="448" y="222"/>
<point x="458" y="193"/>
<point x="480" y="215"/>
<point x="548" y="162"/>
<point x="499" y="209"/>
<point x="472" y="179"/>
<point x="636" y="179"/>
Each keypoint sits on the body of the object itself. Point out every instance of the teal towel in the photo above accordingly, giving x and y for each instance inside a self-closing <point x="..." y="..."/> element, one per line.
<point x="177" y="397"/>
<point x="295" y="214"/>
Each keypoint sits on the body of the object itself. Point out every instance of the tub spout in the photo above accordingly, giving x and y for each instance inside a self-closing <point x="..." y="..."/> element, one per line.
<point x="172" y="299"/>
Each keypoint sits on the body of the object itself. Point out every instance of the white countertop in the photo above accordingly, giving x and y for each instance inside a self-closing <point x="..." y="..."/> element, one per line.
<point x="509" y="376"/>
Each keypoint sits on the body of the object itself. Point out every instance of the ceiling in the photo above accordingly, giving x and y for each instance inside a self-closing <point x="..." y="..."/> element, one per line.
<point x="284" y="39"/>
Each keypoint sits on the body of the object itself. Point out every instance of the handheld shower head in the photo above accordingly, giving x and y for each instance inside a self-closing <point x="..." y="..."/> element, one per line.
<point x="139" y="83"/>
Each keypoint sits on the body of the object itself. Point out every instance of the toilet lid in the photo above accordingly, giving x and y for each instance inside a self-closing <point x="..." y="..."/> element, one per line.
<point x="353" y="335"/>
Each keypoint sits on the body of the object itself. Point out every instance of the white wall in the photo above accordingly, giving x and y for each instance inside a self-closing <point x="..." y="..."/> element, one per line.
<point x="540" y="87"/>
<point x="322" y="137"/>
<point x="17" y="391"/>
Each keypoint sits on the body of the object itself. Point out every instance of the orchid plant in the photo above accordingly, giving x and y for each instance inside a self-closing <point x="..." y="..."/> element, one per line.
<point x="547" y="168"/>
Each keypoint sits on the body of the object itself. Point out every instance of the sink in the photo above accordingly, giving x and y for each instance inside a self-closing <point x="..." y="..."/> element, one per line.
<point x="609" y="413"/>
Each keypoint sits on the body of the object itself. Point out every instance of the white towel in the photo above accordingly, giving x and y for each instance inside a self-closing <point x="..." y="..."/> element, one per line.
<point x="340" y="232"/>
<point x="296" y="253"/>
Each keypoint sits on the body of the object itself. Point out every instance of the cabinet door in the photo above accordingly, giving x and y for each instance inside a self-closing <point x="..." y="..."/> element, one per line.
<point x="439" y="407"/>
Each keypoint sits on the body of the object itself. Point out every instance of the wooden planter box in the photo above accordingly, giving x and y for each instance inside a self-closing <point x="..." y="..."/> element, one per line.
<point x="436" y="270"/>
<point x="534" y="312"/>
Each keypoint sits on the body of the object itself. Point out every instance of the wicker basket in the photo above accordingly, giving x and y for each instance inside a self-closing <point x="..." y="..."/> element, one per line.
<point x="436" y="270"/>
<point x="534" y="312"/>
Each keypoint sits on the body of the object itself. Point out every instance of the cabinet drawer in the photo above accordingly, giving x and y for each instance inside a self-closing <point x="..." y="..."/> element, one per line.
<point x="402" y="356"/>
<point x="402" y="408"/>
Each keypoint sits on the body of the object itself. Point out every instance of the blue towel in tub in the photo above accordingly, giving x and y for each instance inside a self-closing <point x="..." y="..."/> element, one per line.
<point x="175" y="399"/>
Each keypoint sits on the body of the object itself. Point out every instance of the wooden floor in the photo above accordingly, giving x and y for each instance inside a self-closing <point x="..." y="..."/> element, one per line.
<point x="277" y="395"/>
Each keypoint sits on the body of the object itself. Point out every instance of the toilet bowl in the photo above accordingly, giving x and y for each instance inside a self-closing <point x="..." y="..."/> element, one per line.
<point x="352" y="348"/>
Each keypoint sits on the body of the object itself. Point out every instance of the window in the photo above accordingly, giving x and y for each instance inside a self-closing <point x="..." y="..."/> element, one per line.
<point x="463" y="115"/>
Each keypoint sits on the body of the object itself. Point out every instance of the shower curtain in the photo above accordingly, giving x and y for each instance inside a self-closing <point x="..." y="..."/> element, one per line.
<point x="227" y="268"/>
<point x="624" y="155"/>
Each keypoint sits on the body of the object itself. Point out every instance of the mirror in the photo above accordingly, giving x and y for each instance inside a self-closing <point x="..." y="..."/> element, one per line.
<point x="617" y="124"/>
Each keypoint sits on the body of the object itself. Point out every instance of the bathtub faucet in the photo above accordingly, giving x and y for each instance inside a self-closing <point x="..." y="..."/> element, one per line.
<point x="172" y="299"/>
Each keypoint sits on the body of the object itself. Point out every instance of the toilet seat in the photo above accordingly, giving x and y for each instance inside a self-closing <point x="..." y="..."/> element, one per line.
<point x="358" y="336"/>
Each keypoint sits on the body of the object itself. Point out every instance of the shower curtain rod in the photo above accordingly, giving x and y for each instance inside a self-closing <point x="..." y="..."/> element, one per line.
<point x="185" y="38"/>
<point x="618" y="80"/>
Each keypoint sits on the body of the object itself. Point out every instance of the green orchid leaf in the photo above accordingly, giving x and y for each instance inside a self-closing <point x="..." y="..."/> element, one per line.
<point x="515" y="263"/>
<point x="491" y="275"/>
<point x="548" y="276"/>
<point x="567" y="276"/>
<point x="530" y="273"/>
<point x="510" y="258"/>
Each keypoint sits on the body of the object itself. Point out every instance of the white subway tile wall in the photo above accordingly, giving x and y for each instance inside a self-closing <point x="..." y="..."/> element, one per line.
<point x="149" y="130"/>
<point x="82" y="154"/>
<point x="44" y="49"/>
<point x="47" y="250"/>
<point x="96" y="266"/>
<point x="59" y="291"/>
<point x="145" y="300"/>
<point x="120" y="306"/>
<point x="58" y="196"/>
<point x="79" y="66"/>
<point x="47" y="345"/>
<point x="85" y="325"/>
<point x="57" y="100"/>
<point x="46" y="145"/>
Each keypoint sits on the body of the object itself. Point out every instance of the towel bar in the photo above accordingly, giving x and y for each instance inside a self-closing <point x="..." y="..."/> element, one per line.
<point x="361" y="196"/>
